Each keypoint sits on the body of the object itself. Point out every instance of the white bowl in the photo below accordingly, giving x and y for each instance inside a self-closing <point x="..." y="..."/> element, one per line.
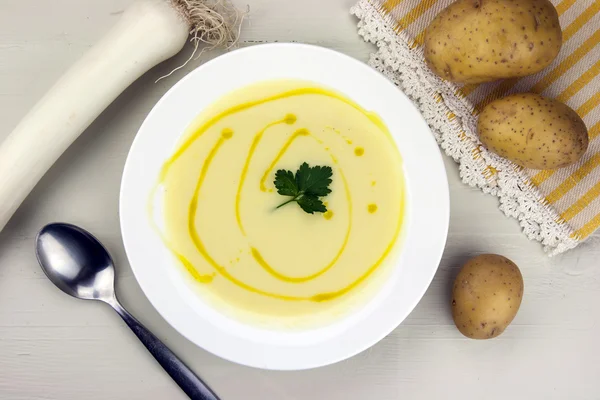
<point x="425" y="226"/>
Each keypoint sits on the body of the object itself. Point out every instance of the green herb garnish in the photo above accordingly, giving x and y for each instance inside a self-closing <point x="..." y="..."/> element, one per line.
<point x="305" y="187"/>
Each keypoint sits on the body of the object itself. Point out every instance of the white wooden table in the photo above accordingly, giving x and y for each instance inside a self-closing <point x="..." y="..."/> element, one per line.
<point x="55" y="347"/>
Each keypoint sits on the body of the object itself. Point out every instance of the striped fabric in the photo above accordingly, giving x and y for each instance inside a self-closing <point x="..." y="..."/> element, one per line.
<point x="573" y="78"/>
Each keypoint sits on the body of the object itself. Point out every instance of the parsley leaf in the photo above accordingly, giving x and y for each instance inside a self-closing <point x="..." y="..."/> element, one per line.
<point x="285" y="183"/>
<point x="311" y="203"/>
<point x="305" y="187"/>
<point x="314" y="180"/>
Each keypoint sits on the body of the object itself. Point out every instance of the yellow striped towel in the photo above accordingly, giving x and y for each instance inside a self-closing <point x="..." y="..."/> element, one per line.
<point x="560" y="208"/>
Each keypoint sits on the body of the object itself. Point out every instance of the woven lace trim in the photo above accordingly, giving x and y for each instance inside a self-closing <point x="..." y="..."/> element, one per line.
<point x="450" y="117"/>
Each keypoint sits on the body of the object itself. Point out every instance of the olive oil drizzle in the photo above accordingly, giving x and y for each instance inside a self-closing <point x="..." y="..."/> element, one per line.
<point x="244" y="106"/>
<point x="256" y="253"/>
<point x="192" y="210"/>
<point x="255" y="141"/>
<point x="286" y="146"/>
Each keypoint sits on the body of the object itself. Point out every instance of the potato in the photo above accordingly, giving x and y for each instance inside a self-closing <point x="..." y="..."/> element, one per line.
<point x="486" y="296"/>
<point x="474" y="41"/>
<point x="533" y="131"/>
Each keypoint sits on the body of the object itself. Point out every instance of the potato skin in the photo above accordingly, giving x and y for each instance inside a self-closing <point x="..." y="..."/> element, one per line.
<point x="533" y="131"/>
<point x="474" y="41"/>
<point x="486" y="296"/>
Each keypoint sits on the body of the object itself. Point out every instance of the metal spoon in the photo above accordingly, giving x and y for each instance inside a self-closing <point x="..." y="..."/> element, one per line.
<point x="80" y="266"/>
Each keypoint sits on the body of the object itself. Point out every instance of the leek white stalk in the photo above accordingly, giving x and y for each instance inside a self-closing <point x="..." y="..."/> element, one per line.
<point x="148" y="32"/>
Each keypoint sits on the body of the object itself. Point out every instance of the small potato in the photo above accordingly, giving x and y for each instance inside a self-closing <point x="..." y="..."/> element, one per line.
<point x="486" y="296"/>
<point x="474" y="41"/>
<point x="533" y="131"/>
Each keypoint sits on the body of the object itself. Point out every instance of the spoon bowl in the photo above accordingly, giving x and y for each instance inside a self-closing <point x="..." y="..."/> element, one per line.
<point x="76" y="262"/>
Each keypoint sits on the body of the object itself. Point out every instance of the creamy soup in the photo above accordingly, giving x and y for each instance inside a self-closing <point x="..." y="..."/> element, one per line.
<point x="220" y="205"/>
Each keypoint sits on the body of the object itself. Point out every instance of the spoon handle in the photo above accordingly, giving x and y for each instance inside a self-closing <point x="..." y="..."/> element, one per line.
<point x="189" y="382"/>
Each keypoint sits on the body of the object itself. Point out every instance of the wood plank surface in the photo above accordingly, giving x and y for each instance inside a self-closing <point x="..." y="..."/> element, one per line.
<point x="55" y="347"/>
